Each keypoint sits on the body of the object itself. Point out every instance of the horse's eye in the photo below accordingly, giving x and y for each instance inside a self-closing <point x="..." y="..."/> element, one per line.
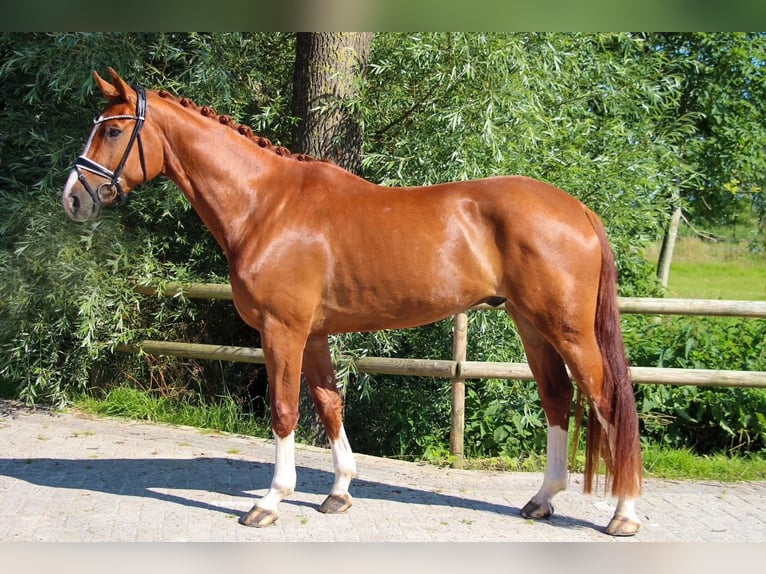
<point x="113" y="133"/>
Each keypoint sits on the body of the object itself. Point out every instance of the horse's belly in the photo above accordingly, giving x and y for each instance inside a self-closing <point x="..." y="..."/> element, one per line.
<point x="409" y="298"/>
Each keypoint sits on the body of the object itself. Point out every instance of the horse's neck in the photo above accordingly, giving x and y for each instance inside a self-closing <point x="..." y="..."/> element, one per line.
<point x="218" y="170"/>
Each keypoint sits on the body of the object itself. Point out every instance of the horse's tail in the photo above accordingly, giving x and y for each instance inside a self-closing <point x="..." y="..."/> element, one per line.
<point x="619" y="442"/>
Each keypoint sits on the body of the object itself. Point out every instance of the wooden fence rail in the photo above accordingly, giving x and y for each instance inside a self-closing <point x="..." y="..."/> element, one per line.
<point x="459" y="369"/>
<point x="449" y="369"/>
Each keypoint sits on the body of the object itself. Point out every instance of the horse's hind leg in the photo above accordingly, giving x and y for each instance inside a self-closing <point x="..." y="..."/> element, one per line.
<point x="585" y="361"/>
<point x="556" y="393"/>
<point x="320" y="376"/>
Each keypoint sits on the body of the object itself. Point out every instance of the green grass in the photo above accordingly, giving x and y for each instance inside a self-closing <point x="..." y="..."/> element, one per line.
<point x="223" y="415"/>
<point x="683" y="464"/>
<point x="658" y="463"/>
<point x="739" y="281"/>
<point x="714" y="270"/>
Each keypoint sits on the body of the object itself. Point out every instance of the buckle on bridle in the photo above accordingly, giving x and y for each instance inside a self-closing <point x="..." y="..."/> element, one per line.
<point x="115" y="193"/>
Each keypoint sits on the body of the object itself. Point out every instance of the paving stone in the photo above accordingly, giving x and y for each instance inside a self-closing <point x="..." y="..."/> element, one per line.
<point x="71" y="477"/>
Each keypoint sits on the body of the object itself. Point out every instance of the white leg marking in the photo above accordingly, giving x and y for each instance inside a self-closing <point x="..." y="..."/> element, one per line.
<point x="555" y="479"/>
<point x="343" y="463"/>
<point x="625" y="521"/>
<point x="626" y="508"/>
<point x="283" y="482"/>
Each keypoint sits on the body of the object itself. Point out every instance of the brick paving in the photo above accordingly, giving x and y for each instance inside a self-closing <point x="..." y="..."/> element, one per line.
<point x="72" y="477"/>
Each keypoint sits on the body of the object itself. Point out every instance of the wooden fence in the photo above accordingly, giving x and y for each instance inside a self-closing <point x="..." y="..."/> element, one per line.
<point x="458" y="369"/>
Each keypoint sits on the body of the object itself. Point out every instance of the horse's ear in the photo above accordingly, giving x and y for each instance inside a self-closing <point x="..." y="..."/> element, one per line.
<point x="118" y="90"/>
<point x="109" y="91"/>
<point x="123" y="88"/>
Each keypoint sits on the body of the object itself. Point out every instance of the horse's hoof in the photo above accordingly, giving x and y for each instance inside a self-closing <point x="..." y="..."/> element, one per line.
<point x="336" y="504"/>
<point x="622" y="526"/>
<point x="258" y="517"/>
<point x="534" y="510"/>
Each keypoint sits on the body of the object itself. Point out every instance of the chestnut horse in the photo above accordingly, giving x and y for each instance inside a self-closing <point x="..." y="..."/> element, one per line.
<point x="313" y="250"/>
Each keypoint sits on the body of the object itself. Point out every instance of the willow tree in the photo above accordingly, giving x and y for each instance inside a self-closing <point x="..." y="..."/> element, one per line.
<point x="722" y="89"/>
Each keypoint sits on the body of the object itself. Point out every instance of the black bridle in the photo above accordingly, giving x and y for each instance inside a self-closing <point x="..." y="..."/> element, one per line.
<point x="84" y="163"/>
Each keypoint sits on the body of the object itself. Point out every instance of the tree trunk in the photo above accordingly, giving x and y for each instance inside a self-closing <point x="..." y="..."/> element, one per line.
<point x="328" y="70"/>
<point x="668" y="246"/>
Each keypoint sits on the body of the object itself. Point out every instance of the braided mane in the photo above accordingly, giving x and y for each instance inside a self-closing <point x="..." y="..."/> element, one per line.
<point x="243" y="129"/>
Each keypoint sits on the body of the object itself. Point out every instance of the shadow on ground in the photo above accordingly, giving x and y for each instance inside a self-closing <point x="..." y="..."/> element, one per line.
<point x="227" y="477"/>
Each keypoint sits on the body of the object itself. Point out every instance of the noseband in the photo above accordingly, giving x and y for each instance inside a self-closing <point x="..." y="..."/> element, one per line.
<point x="83" y="163"/>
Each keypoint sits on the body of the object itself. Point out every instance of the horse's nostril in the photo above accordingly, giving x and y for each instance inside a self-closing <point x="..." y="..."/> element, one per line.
<point x="74" y="202"/>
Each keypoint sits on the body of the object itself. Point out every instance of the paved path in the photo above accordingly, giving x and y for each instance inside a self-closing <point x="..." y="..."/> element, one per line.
<point x="70" y="477"/>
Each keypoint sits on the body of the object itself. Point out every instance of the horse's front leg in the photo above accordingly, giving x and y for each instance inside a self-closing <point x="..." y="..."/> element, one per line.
<point x="283" y="350"/>
<point x="320" y="376"/>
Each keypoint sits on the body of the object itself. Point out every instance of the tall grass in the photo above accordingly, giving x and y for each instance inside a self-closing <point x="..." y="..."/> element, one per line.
<point x="224" y="414"/>
<point x="683" y="464"/>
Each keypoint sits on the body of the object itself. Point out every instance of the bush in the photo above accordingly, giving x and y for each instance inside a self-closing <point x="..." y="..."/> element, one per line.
<point x="704" y="419"/>
<point x="59" y="308"/>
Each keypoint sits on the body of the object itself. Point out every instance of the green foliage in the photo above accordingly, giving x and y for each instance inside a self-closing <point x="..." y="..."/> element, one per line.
<point x="723" y="88"/>
<point x="704" y="419"/>
<point x="53" y="327"/>
<point x="410" y="416"/>
<point x="503" y="418"/>
<point x="399" y="416"/>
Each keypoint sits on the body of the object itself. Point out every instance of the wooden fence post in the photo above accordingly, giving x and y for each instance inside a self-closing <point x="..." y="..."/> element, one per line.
<point x="457" y="418"/>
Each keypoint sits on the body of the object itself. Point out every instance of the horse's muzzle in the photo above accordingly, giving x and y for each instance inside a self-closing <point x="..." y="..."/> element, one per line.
<point x="77" y="202"/>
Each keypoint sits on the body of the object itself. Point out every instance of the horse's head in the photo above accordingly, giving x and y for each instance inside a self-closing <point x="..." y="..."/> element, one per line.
<point x="118" y="156"/>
